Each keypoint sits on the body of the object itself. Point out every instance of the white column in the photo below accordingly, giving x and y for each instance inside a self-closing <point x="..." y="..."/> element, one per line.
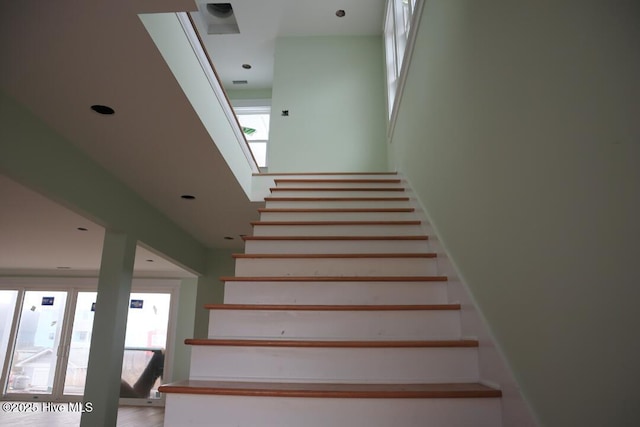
<point x="102" y="388"/>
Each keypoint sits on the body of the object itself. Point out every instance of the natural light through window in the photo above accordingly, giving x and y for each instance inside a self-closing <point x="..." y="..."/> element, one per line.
<point x="396" y="30"/>
<point x="255" y="126"/>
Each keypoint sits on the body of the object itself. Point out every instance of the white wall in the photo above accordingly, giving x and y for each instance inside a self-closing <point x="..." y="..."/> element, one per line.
<point x="333" y="88"/>
<point x="519" y="131"/>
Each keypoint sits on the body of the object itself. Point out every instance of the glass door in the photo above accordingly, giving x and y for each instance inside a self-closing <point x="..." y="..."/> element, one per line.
<point x="80" y="341"/>
<point x="8" y="300"/>
<point x="145" y="343"/>
<point x="45" y="338"/>
<point x="37" y="347"/>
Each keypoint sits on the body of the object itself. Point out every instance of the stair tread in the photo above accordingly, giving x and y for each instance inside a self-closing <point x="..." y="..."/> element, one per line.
<point x="454" y="343"/>
<point x="327" y="210"/>
<point x="309" y="307"/>
<point x="421" y="237"/>
<point x="394" y="189"/>
<point x="284" y="389"/>
<point x="322" y="173"/>
<point x="411" y="222"/>
<point x="337" y="180"/>
<point x="334" y="278"/>
<point x="336" y="199"/>
<point x="336" y="256"/>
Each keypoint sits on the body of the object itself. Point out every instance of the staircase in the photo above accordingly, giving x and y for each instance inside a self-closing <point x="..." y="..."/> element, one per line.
<point x="336" y="316"/>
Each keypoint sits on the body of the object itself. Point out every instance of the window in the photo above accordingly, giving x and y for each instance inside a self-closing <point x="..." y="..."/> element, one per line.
<point x="397" y="24"/>
<point x="255" y="125"/>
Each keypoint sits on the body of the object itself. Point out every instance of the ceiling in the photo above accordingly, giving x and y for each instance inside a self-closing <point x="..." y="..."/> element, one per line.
<point x="261" y="22"/>
<point x="61" y="57"/>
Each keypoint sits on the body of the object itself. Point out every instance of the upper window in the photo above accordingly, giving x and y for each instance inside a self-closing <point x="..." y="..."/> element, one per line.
<point x="396" y="29"/>
<point x="254" y="122"/>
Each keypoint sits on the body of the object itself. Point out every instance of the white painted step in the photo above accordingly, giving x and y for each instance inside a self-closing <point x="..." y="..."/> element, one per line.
<point x="338" y="183"/>
<point x="344" y="192"/>
<point x="336" y="215"/>
<point x="409" y="228"/>
<point x="299" y="202"/>
<point x="334" y="325"/>
<point x="309" y="245"/>
<point x="335" y="291"/>
<point x="187" y="410"/>
<point x="334" y="364"/>
<point x="373" y="265"/>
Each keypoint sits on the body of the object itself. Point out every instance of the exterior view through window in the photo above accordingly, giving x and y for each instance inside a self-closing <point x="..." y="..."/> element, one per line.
<point x="254" y="122"/>
<point x="45" y="339"/>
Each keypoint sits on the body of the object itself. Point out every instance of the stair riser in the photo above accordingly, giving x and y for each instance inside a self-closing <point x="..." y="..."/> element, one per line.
<point x="337" y="193"/>
<point x="357" y="365"/>
<point x="335" y="246"/>
<point x="337" y="230"/>
<point x="337" y="216"/>
<point x="335" y="204"/>
<point x="192" y="410"/>
<point x="335" y="325"/>
<point x="336" y="267"/>
<point x="335" y="293"/>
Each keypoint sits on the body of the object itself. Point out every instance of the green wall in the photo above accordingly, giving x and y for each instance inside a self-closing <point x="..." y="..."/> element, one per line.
<point x="519" y="131"/>
<point x="184" y="328"/>
<point x="234" y="94"/>
<point x="333" y="88"/>
<point x="220" y="263"/>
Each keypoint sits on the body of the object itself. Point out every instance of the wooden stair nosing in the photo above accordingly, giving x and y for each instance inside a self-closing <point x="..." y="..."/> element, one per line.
<point x="417" y="279"/>
<point x="336" y="210"/>
<point x="336" y="256"/>
<point x="348" y="238"/>
<point x="360" y="307"/>
<point x="322" y="173"/>
<point x="224" y="342"/>
<point x="327" y="390"/>
<point x="336" y="199"/>
<point x="350" y="223"/>
<point x="337" y="180"/>
<point x="311" y="189"/>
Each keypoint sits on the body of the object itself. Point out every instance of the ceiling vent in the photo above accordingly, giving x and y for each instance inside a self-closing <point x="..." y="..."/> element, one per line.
<point x="239" y="82"/>
<point x="219" y="18"/>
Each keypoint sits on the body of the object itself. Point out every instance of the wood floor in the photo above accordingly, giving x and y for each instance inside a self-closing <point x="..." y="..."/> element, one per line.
<point x="128" y="416"/>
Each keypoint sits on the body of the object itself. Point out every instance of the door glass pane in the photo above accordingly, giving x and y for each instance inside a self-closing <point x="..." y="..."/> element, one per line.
<point x="145" y="342"/>
<point x="35" y="355"/>
<point x="7" y="306"/>
<point x="80" y="343"/>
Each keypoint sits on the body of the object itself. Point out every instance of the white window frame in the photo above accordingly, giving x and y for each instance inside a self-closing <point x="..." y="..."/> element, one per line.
<point x="241" y="110"/>
<point x="399" y="37"/>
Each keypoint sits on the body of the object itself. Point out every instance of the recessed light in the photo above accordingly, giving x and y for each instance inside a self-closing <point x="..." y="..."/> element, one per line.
<point x="246" y="66"/>
<point x="228" y="238"/>
<point x="82" y="229"/>
<point x="188" y="197"/>
<point x="340" y="13"/>
<point x="102" y="109"/>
